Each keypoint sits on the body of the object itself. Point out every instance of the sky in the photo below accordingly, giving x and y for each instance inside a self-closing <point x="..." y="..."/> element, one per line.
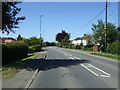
<point x="58" y="16"/>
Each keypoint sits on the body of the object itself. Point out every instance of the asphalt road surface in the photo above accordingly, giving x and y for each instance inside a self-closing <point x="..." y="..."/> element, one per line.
<point x="69" y="69"/>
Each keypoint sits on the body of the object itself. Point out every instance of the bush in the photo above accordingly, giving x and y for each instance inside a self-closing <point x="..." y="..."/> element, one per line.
<point x="35" y="48"/>
<point x="13" y="51"/>
<point x="73" y="47"/>
<point x="78" y="46"/>
<point x="59" y="45"/>
<point x="86" y="48"/>
<point x="114" y="48"/>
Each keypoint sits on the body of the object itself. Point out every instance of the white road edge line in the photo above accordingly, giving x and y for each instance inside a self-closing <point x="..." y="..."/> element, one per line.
<point x="89" y="70"/>
<point x="100" y="70"/>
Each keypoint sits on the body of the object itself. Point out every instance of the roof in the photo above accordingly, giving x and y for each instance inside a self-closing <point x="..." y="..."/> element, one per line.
<point x="6" y="38"/>
<point x="84" y="37"/>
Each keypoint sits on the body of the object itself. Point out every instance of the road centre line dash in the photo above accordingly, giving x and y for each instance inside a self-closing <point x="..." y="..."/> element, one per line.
<point x="89" y="70"/>
<point x="87" y="66"/>
<point x="65" y="54"/>
<point x="71" y="57"/>
<point x="69" y="54"/>
<point x="77" y="58"/>
<point x="104" y="76"/>
<point x="100" y="70"/>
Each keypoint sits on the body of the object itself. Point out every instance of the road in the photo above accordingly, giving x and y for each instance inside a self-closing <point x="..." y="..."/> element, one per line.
<point x="70" y="69"/>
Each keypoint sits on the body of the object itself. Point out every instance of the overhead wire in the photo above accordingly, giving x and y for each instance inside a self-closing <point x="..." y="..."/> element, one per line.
<point x="90" y="21"/>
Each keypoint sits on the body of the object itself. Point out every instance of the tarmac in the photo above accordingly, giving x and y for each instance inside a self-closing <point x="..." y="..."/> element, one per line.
<point x="26" y="75"/>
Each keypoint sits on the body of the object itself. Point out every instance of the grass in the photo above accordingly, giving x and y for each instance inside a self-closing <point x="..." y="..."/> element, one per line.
<point x="12" y="68"/>
<point x="109" y="55"/>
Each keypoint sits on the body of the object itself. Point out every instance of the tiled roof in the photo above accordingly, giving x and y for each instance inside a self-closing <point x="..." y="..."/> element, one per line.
<point x="6" y="38"/>
<point x="84" y="37"/>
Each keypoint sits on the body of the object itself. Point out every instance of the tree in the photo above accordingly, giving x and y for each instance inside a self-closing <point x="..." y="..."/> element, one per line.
<point x="65" y="41"/>
<point x="19" y="37"/>
<point x="26" y="41"/>
<point x="34" y="41"/>
<point x="99" y="33"/>
<point x="62" y="35"/>
<point x="118" y="33"/>
<point x="10" y="20"/>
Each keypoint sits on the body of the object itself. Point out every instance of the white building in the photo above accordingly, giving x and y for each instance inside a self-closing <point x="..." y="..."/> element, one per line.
<point x="84" y="40"/>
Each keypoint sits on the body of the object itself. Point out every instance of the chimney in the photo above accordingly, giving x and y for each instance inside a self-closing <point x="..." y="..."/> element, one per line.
<point x="85" y="34"/>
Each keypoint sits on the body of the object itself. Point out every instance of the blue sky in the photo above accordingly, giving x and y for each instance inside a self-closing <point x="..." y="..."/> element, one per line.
<point x="59" y="16"/>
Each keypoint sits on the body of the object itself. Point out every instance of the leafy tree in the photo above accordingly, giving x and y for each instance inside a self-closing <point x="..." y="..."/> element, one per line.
<point x="10" y="20"/>
<point x="19" y="37"/>
<point x="26" y="41"/>
<point x="41" y="40"/>
<point x="99" y="33"/>
<point x="49" y="43"/>
<point x="118" y="33"/>
<point x="65" y="41"/>
<point x="62" y="35"/>
<point x="34" y="41"/>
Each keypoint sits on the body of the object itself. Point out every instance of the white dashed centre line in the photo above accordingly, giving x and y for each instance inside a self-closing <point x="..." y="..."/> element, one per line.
<point x="77" y="58"/>
<point x="88" y="66"/>
<point x="89" y="70"/>
<point x="71" y="58"/>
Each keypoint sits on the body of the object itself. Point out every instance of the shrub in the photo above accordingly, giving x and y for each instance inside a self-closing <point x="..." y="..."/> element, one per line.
<point x="13" y="51"/>
<point x="86" y="48"/>
<point x="78" y="47"/>
<point x="73" y="47"/>
<point x="114" y="48"/>
<point x="63" y="46"/>
<point x="35" y="48"/>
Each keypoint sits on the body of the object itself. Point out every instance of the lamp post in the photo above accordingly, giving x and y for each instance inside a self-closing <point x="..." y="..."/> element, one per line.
<point x="40" y="29"/>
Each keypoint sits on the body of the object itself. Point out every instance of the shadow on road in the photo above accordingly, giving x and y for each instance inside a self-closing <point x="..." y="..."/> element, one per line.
<point x="48" y="64"/>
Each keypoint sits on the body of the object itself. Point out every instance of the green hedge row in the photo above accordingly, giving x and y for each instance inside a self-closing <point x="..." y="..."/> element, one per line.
<point x="13" y="51"/>
<point x="35" y="48"/>
<point x="114" y="48"/>
<point x="77" y="47"/>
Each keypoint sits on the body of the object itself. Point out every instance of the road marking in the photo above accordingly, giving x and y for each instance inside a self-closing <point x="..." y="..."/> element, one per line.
<point x="69" y="54"/>
<point x="89" y="70"/>
<point x="100" y="70"/>
<point x="105" y="75"/>
<point x="71" y="57"/>
<point x="65" y="54"/>
<point x="90" y="65"/>
<point x="77" y="58"/>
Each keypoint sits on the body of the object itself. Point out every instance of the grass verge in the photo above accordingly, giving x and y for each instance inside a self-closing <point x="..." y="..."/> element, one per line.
<point x="11" y="69"/>
<point x="109" y="55"/>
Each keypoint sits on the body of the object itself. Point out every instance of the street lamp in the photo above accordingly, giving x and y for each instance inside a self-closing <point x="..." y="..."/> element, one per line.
<point x="40" y="29"/>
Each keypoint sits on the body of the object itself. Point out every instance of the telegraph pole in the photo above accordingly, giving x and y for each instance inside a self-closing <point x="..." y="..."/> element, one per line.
<point x="106" y="27"/>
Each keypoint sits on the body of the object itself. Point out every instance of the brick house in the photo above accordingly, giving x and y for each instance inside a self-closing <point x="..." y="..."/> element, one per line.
<point x="7" y="40"/>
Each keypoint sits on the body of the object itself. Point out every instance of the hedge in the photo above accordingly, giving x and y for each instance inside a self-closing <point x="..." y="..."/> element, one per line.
<point x="35" y="48"/>
<point x="114" y="48"/>
<point x="13" y="51"/>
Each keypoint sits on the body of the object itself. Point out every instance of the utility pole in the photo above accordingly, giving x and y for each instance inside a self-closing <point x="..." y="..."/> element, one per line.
<point x="40" y="30"/>
<point x="106" y="26"/>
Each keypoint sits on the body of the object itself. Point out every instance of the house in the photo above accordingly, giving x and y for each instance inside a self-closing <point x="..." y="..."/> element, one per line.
<point x="7" y="40"/>
<point x="81" y="40"/>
